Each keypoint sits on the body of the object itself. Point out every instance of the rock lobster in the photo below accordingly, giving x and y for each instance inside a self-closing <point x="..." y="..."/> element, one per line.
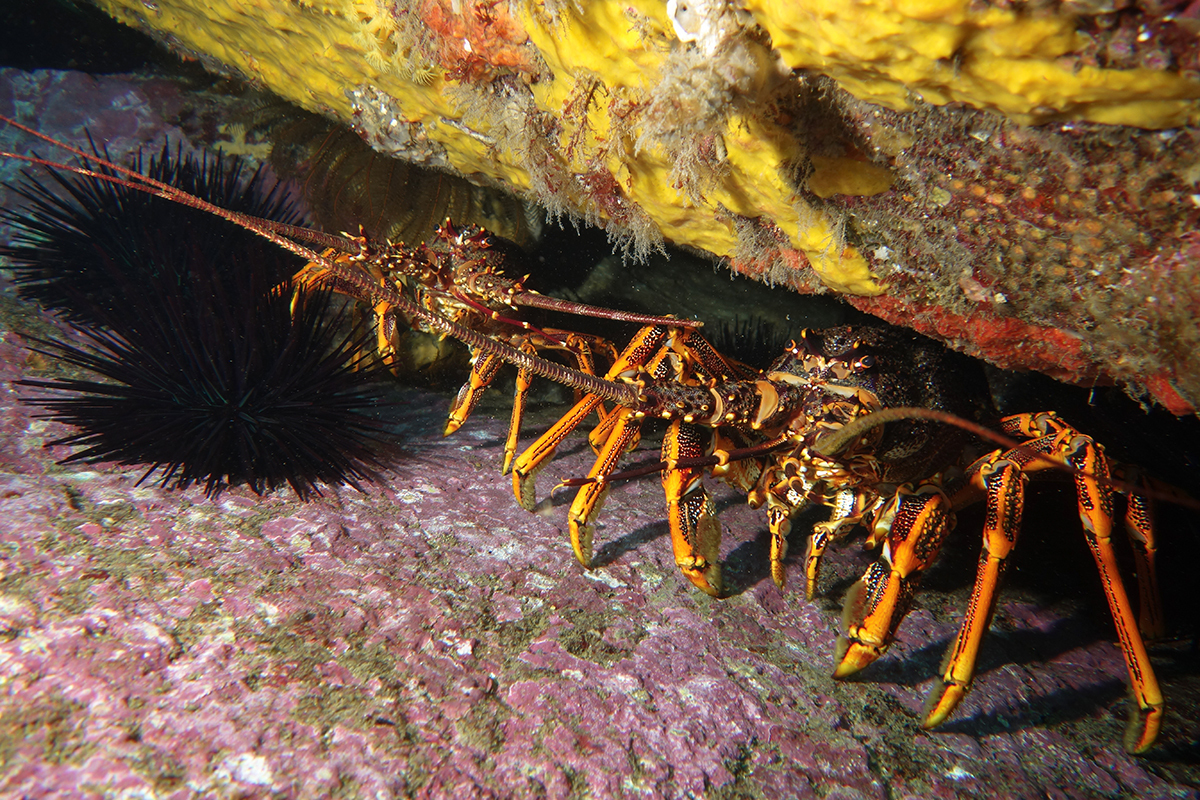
<point x="837" y="420"/>
<point x="840" y="420"/>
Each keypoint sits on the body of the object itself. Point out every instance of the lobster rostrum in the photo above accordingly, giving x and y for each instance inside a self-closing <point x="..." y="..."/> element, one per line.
<point x="839" y="420"/>
<point x="807" y="432"/>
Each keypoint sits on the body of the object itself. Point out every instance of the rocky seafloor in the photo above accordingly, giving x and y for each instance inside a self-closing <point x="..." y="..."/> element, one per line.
<point x="429" y="638"/>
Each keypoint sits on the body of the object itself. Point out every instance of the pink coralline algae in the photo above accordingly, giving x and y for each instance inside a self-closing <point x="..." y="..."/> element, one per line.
<point x="430" y="639"/>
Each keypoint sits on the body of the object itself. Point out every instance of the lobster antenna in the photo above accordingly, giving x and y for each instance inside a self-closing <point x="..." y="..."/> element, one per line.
<point x="342" y="243"/>
<point x="609" y="390"/>
<point x="834" y="442"/>
<point x="535" y="300"/>
<point x="143" y="182"/>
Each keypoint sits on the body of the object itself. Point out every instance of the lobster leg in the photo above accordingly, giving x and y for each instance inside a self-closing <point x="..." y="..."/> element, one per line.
<point x="538" y="454"/>
<point x="520" y="396"/>
<point x="604" y="428"/>
<point x="1001" y="477"/>
<point x="915" y="524"/>
<point x="695" y="529"/>
<point x="483" y="371"/>
<point x="591" y="496"/>
<point x="1095" y="511"/>
<point x="779" y="525"/>
<point x="1002" y="481"/>
<point x="1139" y="527"/>
<point x="617" y="433"/>
<point x="644" y="345"/>
<point x="849" y="508"/>
<point x="584" y="361"/>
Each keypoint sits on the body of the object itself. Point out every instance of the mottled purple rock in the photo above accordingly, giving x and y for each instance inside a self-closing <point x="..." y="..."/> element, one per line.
<point x="431" y="639"/>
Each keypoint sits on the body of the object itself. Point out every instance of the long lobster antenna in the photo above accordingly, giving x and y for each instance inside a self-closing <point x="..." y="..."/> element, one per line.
<point x="535" y="300"/>
<point x="609" y="390"/>
<point x="834" y="442"/>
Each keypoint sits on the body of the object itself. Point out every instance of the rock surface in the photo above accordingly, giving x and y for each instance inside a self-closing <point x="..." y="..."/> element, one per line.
<point x="431" y="639"/>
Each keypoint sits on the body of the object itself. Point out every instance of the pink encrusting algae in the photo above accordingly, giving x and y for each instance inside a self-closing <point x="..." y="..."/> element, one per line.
<point x="431" y="639"/>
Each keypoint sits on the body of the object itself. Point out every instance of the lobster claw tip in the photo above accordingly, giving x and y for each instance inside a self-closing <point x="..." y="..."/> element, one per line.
<point x="1143" y="727"/>
<point x="707" y="579"/>
<point x="943" y="699"/>
<point x="852" y="657"/>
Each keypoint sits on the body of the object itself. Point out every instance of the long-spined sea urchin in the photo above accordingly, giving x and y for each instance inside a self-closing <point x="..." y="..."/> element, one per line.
<point x="205" y="366"/>
<point x="221" y="387"/>
<point x="67" y="242"/>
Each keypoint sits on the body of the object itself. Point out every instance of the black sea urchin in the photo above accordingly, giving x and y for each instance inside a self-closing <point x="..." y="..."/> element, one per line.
<point x="224" y="382"/>
<point x="204" y="368"/>
<point x="68" y="243"/>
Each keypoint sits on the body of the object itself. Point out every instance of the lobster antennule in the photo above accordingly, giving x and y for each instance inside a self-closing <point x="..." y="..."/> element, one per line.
<point x="834" y="442"/>
<point x="535" y="300"/>
<point x="345" y="244"/>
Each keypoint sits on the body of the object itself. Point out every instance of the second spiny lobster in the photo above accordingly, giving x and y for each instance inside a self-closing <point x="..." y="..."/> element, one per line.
<point x="852" y="419"/>
<point x="453" y="285"/>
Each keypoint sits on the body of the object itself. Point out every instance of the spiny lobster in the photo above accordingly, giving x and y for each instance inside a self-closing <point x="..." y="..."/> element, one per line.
<point x="454" y="285"/>
<point x="838" y="420"/>
<point x="846" y="419"/>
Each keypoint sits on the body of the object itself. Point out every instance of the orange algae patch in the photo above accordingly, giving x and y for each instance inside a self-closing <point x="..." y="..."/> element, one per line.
<point x="1007" y="342"/>
<point x="478" y="38"/>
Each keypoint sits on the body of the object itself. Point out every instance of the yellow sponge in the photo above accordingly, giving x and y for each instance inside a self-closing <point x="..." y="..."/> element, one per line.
<point x="656" y="120"/>
<point x="895" y="51"/>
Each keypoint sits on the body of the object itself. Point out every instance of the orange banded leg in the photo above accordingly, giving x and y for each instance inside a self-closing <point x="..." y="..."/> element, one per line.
<point x="584" y="361"/>
<point x="695" y="529"/>
<point x="483" y="371"/>
<point x="1095" y="511"/>
<point x="591" y="496"/>
<point x="537" y="455"/>
<point x="784" y="498"/>
<point x="915" y="524"/>
<point x="1003" y="483"/>
<point x="618" y="432"/>
<point x="604" y="428"/>
<point x="645" y="345"/>
<point x="520" y="397"/>
<point x="1139" y="527"/>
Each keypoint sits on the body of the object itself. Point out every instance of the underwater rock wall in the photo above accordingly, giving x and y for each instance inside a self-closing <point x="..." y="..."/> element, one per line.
<point x="880" y="149"/>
